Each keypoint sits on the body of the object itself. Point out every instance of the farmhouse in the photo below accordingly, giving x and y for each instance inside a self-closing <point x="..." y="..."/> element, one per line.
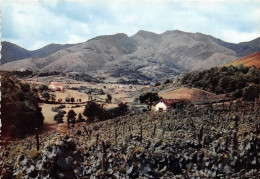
<point x="54" y="86"/>
<point x="164" y="104"/>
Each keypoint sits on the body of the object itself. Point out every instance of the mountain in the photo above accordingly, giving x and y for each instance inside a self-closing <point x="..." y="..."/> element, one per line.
<point x="49" y="49"/>
<point x="250" y="60"/>
<point x="11" y="52"/>
<point x="243" y="48"/>
<point x="144" y="56"/>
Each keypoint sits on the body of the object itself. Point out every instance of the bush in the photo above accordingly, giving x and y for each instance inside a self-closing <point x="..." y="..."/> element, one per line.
<point x="250" y="93"/>
<point x="61" y="106"/>
<point x="76" y="106"/>
<point x="67" y="99"/>
<point x="157" y="84"/>
<point x="238" y="93"/>
<point x="55" y="109"/>
<point x="43" y="88"/>
<point x="167" y="81"/>
<point x="45" y="95"/>
<point x="59" y="117"/>
<point x="121" y="110"/>
<point x="94" y="111"/>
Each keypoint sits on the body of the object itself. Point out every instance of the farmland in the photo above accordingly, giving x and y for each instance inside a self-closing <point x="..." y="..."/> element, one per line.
<point x="218" y="138"/>
<point x="201" y="141"/>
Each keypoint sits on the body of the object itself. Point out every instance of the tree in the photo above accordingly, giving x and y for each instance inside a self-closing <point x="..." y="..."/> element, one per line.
<point x="71" y="117"/>
<point x="80" y="100"/>
<point x="59" y="117"/>
<point x="59" y="100"/>
<point x="251" y="92"/>
<point x="43" y="88"/>
<point x="238" y="93"/>
<point x="19" y="115"/>
<point x="223" y="82"/>
<point x="67" y="99"/>
<point x="53" y="97"/>
<point x="109" y="98"/>
<point x="93" y="111"/>
<point x="122" y="109"/>
<point x="149" y="98"/>
<point x="80" y="118"/>
<point x="167" y="81"/>
<point x="45" y="95"/>
<point x="72" y="99"/>
<point x="157" y="84"/>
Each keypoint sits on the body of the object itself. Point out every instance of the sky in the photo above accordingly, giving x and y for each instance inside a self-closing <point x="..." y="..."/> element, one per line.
<point x="33" y="24"/>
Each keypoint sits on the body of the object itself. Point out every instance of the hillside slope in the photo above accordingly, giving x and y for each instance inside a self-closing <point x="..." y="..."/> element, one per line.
<point x="11" y="52"/>
<point x="191" y="94"/>
<point x="251" y="60"/>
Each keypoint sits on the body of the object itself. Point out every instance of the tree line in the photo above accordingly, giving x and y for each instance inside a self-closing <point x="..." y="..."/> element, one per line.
<point x="241" y="82"/>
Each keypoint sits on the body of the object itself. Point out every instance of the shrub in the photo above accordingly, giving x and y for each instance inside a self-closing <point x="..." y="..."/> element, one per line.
<point x="238" y="93"/>
<point x="61" y="106"/>
<point x="67" y="99"/>
<point x="43" y="88"/>
<point x="55" y="109"/>
<point x="250" y="93"/>
<point x="46" y="95"/>
<point x="157" y="84"/>
<point x="94" y="111"/>
<point x="59" y="117"/>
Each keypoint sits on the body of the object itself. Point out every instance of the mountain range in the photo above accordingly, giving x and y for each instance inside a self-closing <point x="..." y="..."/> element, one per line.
<point x="11" y="52"/>
<point x="145" y="56"/>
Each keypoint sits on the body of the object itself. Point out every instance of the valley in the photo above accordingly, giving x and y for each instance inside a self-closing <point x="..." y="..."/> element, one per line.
<point x="170" y="105"/>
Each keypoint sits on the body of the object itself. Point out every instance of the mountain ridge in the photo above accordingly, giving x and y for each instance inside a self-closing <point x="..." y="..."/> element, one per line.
<point x="12" y="52"/>
<point x="144" y="55"/>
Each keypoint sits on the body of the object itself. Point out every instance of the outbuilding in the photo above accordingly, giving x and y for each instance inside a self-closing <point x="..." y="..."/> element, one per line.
<point x="161" y="106"/>
<point x="164" y="104"/>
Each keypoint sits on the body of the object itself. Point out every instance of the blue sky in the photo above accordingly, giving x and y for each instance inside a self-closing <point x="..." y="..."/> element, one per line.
<point x="33" y="24"/>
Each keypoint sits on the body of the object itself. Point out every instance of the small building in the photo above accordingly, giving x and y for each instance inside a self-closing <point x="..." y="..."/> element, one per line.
<point x="164" y="104"/>
<point x="161" y="106"/>
<point x="54" y="86"/>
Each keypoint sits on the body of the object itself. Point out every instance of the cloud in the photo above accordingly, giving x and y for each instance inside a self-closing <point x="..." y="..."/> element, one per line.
<point x="35" y="23"/>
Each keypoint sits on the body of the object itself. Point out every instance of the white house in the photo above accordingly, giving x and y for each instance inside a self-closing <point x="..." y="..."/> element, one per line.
<point x="56" y="86"/>
<point x="161" y="106"/>
<point x="164" y="104"/>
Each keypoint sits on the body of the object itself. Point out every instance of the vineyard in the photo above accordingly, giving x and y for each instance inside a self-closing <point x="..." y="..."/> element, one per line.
<point x="202" y="141"/>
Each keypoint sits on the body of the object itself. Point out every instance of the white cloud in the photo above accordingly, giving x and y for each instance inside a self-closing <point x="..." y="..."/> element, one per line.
<point x="35" y="26"/>
<point x="36" y="23"/>
<point x="236" y="36"/>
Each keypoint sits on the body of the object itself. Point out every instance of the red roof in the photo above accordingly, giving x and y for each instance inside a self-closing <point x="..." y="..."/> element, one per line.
<point x="56" y="84"/>
<point x="169" y="102"/>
